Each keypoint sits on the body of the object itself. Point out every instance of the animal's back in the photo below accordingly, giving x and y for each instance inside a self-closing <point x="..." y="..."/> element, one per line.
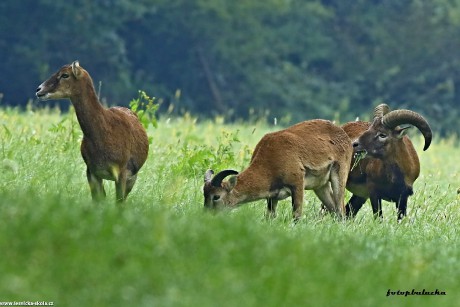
<point x="312" y="143"/>
<point x="355" y="129"/>
<point x="321" y="138"/>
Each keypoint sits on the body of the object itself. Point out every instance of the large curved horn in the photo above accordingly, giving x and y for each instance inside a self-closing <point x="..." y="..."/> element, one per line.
<point x="217" y="180"/>
<point x="381" y="110"/>
<point x="398" y="117"/>
<point x="208" y="175"/>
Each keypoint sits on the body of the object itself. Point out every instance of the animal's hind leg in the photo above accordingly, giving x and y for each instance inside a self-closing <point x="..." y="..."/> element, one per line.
<point x="271" y="207"/>
<point x="338" y="180"/>
<point x="324" y="209"/>
<point x="131" y="176"/>
<point x="130" y="181"/>
<point x="324" y="194"/>
<point x="120" y="186"/>
<point x="95" y="185"/>
<point x="297" y="201"/>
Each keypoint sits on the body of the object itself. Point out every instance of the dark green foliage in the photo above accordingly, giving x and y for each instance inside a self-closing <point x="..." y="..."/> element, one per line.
<point x="293" y="60"/>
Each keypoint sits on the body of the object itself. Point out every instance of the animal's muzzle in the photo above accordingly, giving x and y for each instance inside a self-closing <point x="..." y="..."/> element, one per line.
<point x="39" y="92"/>
<point x="360" y="154"/>
<point x="357" y="149"/>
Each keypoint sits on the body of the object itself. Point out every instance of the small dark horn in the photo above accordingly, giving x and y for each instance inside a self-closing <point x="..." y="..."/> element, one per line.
<point x="208" y="175"/>
<point x="381" y="110"/>
<point x="399" y="117"/>
<point x="217" y="180"/>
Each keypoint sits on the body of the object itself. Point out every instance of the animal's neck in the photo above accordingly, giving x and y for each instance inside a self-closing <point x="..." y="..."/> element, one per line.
<point x="247" y="190"/>
<point x="390" y="162"/>
<point x="90" y="113"/>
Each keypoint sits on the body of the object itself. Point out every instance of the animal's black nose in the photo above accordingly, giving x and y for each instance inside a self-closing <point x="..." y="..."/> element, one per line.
<point x="355" y="144"/>
<point x="38" y="92"/>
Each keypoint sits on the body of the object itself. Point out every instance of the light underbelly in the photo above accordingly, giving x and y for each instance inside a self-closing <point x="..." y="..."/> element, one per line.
<point x="316" y="178"/>
<point x="105" y="174"/>
<point x="312" y="181"/>
<point x="358" y="190"/>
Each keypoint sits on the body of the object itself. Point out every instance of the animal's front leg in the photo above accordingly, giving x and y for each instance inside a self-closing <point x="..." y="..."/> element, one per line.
<point x="376" y="203"/>
<point x="354" y="204"/>
<point x="95" y="185"/>
<point x="401" y="205"/>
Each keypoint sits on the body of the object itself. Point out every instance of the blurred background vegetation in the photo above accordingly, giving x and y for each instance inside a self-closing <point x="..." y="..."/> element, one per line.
<point x="289" y="59"/>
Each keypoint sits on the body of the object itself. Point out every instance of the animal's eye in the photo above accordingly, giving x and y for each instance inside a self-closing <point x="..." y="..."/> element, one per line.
<point x="215" y="197"/>
<point x="64" y="76"/>
<point x="382" y="135"/>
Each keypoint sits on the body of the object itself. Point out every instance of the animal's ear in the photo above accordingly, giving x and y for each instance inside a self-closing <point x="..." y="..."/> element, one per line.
<point x="76" y="70"/>
<point x="217" y="179"/>
<point x="401" y="131"/>
<point x="232" y="182"/>
<point x="208" y="175"/>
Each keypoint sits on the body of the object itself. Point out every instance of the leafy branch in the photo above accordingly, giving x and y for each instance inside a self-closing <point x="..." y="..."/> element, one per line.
<point x="145" y="108"/>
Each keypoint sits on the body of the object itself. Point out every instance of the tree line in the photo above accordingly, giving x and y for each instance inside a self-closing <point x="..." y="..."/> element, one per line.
<point x="289" y="59"/>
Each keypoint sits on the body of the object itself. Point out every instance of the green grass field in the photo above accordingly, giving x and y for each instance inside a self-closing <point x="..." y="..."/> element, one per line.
<point x="162" y="249"/>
